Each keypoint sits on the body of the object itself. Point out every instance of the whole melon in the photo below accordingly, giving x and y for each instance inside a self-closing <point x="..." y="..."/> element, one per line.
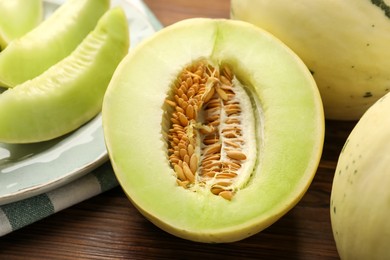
<point x="344" y="43"/>
<point x="360" y="199"/>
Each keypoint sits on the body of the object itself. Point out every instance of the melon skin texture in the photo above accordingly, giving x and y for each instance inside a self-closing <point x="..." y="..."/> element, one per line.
<point x="51" y="41"/>
<point x="360" y="199"/>
<point x="291" y="131"/>
<point x="17" y="17"/>
<point x="70" y="92"/>
<point x="344" y="43"/>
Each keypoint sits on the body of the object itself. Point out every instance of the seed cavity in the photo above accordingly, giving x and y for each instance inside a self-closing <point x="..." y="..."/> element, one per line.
<point x="212" y="136"/>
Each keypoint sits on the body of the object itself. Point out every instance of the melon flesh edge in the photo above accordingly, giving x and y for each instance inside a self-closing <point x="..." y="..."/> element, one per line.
<point x="292" y="112"/>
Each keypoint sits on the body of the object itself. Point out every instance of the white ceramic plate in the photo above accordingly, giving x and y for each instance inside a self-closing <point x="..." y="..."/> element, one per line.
<point x="30" y="169"/>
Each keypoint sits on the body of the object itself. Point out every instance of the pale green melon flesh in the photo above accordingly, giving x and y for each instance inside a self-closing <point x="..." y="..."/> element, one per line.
<point x="344" y="43"/>
<point x="71" y="91"/>
<point x="49" y="42"/>
<point x="291" y="141"/>
<point x="360" y="199"/>
<point x="17" y="17"/>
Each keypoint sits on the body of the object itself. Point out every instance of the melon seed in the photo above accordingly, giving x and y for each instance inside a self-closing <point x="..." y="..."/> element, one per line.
<point x="205" y="141"/>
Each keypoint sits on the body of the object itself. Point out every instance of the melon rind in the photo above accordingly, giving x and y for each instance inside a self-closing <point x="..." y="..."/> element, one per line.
<point x="70" y="92"/>
<point x="51" y="41"/>
<point x="17" y="17"/>
<point x="292" y="132"/>
<point x="360" y="198"/>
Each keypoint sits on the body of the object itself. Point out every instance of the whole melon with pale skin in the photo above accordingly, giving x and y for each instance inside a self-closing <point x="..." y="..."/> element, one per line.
<point x="17" y="17"/>
<point x="49" y="42"/>
<point x="360" y="199"/>
<point x="344" y="43"/>
<point x="214" y="129"/>
<point x="69" y="93"/>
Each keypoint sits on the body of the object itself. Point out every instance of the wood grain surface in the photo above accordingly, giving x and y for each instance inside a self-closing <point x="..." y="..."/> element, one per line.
<point x="109" y="227"/>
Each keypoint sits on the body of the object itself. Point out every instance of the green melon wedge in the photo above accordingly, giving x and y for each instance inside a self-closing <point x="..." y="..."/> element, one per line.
<point x="49" y="42"/>
<point x="69" y="93"/>
<point x="284" y="120"/>
<point x="17" y="17"/>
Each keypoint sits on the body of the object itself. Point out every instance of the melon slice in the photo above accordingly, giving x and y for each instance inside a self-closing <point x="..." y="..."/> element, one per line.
<point x="49" y="42"/>
<point x="17" y="17"/>
<point x="214" y="129"/>
<point x="69" y="93"/>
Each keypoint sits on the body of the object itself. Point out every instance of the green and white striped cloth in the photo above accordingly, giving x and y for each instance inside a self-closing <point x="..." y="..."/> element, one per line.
<point x="19" y="214"/>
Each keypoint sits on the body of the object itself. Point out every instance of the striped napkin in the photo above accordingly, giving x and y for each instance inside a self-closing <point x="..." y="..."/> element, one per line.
<point x="18" y="214"/>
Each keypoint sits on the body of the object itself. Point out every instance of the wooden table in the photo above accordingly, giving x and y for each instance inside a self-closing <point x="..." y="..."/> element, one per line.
<point x="109" y="227"/>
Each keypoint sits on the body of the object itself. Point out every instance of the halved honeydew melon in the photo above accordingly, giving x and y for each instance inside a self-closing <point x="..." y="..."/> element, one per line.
<point x="278" y="99"/>
<point x="17" y="17"/>
<point x="52" y="40"/>
<point x="69" y="93"/>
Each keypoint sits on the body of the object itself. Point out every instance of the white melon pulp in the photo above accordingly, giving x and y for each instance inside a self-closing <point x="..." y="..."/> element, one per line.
<point x="51" y="41"/>
<point x="345" y="44"/>
<point x="17" y="17"/>
<point x="69" y="93"/>
<point x="360" y="199"/>
<point x="291" y="129"/>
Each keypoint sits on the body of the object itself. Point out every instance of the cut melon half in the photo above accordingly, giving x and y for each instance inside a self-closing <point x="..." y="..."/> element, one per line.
<point x="214" y="129"/>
